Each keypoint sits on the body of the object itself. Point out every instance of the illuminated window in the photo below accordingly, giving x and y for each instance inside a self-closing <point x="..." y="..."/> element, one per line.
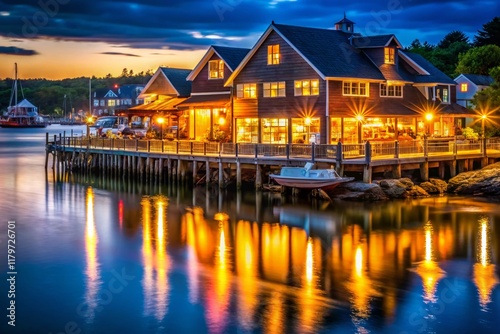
<point x="391" y="90"/>
<point x="389" y="55"/>
<point x="247" y="130"/>
<point x="306" y="87"/>
<point x="273" y="54"/>
<point x="274" y="89"/>
<point x="111" y="103"/>
<point x="274" y="130"/>
<point x="355" y="88"/>
<point x="215" y="69"/>
<point x="463" y="87"/>
<point x="444" y="97"/>
<point x="246" y="91"/>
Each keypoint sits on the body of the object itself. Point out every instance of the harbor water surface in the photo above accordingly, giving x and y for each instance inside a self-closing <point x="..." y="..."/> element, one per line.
<point x="101" y="254"/>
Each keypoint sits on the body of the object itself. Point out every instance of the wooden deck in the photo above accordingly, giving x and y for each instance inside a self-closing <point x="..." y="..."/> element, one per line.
<point x="179" y="157"/>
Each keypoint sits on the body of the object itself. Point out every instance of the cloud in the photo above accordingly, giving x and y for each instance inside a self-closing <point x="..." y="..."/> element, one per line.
<point x="169" y="24"/>
<point x="12" y="50"/>
<point x="119" y="54"/>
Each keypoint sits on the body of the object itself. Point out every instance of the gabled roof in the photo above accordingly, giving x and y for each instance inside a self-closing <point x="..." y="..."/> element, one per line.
<point x="124" y="92"/>
<point x="478" y="80"/>
<point x="344" y="20"/>
<point x="176" y="79"/>
<point x="434" y="76"/>
<point x="110" y="93"/>
<point x="231" y="56"/>
<point x="327" y="51"/>
<point x="331" y="55"/>
<point x="377" y="41"/>
<point x="25" y="104"/>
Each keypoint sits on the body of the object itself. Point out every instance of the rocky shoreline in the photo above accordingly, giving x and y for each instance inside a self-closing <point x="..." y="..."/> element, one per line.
<point x="484" y="182"/>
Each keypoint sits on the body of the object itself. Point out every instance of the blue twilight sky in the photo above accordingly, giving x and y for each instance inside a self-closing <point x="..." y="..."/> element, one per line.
<point x="67" y="38"/>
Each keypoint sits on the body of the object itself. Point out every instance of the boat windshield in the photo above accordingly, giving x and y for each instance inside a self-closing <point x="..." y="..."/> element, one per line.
<point x="105" y="122"/>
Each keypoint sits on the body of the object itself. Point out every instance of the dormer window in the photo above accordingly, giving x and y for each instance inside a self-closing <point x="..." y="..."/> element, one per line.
<point x="442" y="95"/>
<point x="389" y="55"/>
<point x="216" y="69"/>
<point x="463" y="87"/>
<point x="273" y="54"/>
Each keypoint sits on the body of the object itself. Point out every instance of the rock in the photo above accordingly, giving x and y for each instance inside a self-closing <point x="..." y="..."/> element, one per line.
<point x="394" y="188"/>
<point x="434" y="186"/>
<point x="485" y="182"/>
<point x="407" y="182"/>
<point x="417" y="191"/>
<point x="358" y="191"/>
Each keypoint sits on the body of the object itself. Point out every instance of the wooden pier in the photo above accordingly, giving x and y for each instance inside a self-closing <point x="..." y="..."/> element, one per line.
<point x="221" y="162"/>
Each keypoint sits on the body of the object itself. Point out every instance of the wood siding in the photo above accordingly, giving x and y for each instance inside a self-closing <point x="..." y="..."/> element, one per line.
<point x="292" y="67"/>
<point x="374" y="104"/>
<point x="202" y="84"/>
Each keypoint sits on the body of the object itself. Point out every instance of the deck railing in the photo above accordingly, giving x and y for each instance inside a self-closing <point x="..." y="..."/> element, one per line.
<point x="367" y="151"/>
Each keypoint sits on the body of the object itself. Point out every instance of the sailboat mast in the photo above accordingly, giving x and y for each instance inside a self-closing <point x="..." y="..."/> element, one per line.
<point x="90" y="96"/>
<point x="15" y="88"/>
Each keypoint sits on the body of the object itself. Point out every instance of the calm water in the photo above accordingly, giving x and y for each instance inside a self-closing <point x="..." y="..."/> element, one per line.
<point x="105" y="256"/>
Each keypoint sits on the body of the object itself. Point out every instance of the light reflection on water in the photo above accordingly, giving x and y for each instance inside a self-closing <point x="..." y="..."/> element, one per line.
<point x="218" y="262"/>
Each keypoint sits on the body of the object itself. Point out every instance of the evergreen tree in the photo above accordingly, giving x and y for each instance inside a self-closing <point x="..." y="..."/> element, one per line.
<point x="453" y="37"/>
<point x="490" y="34"/>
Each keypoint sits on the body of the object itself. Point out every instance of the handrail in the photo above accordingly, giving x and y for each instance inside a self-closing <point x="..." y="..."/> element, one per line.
<point x="339" y="151"/>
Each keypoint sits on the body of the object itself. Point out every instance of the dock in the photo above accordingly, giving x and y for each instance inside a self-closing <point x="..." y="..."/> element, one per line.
<point x="221" y="162"/>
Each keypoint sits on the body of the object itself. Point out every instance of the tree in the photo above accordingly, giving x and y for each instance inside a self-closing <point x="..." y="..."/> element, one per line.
<point x="479" y="60"/>
<point x="446" y="59"/>
<point x="490" y="97"/>
<point x="453" y="37"/>
<point x="490" y="33"/>
<point x="425" y="50"/>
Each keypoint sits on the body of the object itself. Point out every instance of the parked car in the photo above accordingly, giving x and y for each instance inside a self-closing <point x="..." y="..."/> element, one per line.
<point x="105" y="123"/>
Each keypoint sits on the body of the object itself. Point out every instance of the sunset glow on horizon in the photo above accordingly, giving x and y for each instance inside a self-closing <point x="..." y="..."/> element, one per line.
<point x="87" y="59"/>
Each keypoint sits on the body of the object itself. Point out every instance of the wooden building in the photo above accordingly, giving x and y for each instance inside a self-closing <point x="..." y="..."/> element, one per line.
<point x="303" y="85"/>
<point x="209" y="106"/>
<point x="166" y="89"/>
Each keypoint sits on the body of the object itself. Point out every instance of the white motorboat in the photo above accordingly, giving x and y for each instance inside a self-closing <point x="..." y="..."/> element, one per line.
<point x="308" y="178"/>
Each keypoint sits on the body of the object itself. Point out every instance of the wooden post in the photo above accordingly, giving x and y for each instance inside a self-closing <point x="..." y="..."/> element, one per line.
<point x="238" y="174"/>
<point x="338" y="158"/>
<point x="207" y="172"/>
<point x="258" y="177"/>
<point x="47" y="152"/>
<point x="426" y="147"/>
<point x="461" y="166"/>
<point x="160" y="168"/>
<point x="424" y="171"/>
<point x="396" y="171"/>
<point x="368" y="153"/>
<point x="313" y="153"/>
<point x="453" y="168"/>
<point x="195" y="170"/>
<point x="367" y="174"/>
<point x="181" y="173"/>
<point x="442" y="170"/>
<point x="396" y="151"/>
<point x="221" y="175"/>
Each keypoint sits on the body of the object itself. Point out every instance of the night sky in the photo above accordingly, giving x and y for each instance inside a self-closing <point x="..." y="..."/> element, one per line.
<point x="67" y="38"/>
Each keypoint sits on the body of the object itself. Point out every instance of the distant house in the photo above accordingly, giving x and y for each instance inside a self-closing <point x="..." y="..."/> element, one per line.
<point x="209" y="106"/>
<point x="166" y="89"/>
<point x="111" y="101"/>
<point x="469" y="85"/>
<point x="301" y="84"/>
